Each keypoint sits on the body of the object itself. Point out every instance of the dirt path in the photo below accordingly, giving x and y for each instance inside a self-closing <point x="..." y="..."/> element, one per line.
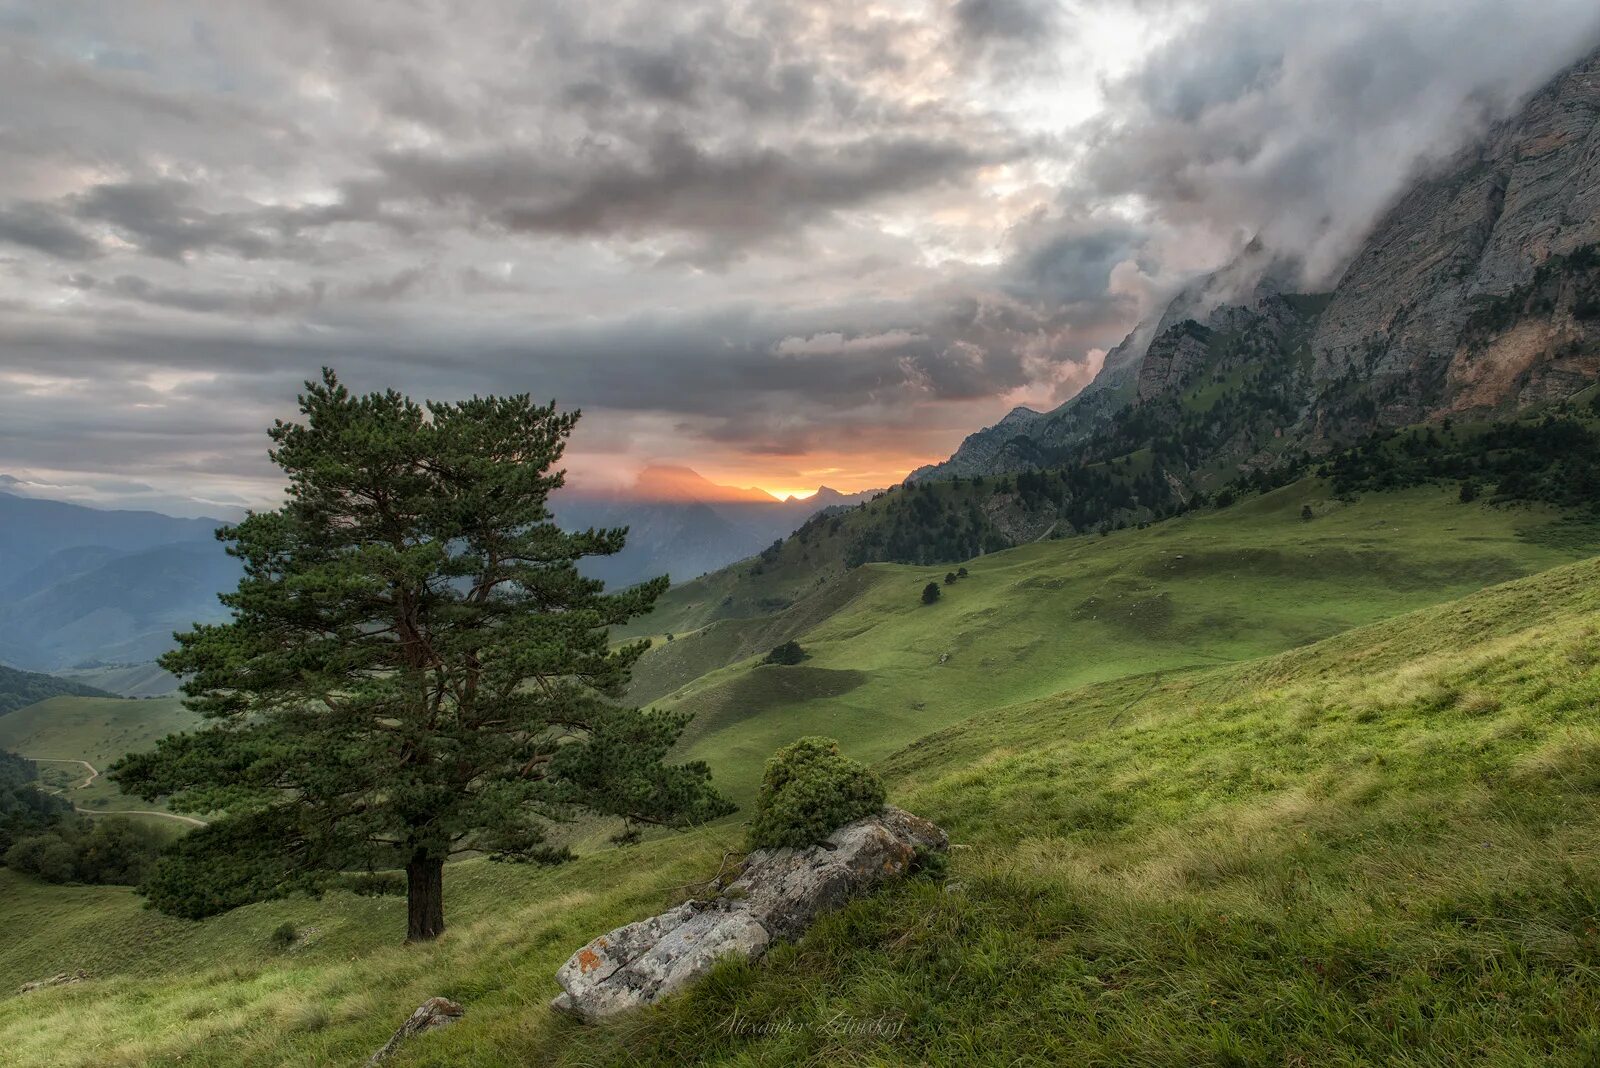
<point x="94" y="773"/>
<point x="190" y="820"/>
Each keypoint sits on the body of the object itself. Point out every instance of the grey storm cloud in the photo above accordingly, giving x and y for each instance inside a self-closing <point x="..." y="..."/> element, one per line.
<point x="675" y="185"/>
<point x="1298" y="123"/>
<point x="722" y="226"/>
<point x="36" y="227"/>
<point x="1007" y="19"/>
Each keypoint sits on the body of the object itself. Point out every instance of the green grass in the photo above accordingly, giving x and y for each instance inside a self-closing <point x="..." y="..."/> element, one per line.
<point x="94" y="729"/>
<point x="1378" y="849"/>
<point x="1220" y="587"/>
<point x="1185" y="835"/>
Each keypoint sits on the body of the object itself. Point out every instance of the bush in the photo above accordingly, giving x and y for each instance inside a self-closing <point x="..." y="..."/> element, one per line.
<point x="930" y="593"/>
<point x="373" y="883"/>
<point x="284" y="936"/>
<point x="109" y="851"/>
<point x="789" y="653"/>
<point x="950" y="578"/>
<point x="808" y="791"/>
<point x="44" y="856"/>
<point x="961" y="572"/>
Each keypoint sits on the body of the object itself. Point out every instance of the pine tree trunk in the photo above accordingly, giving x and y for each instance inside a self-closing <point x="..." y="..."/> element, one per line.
<point x="424" y="897"/>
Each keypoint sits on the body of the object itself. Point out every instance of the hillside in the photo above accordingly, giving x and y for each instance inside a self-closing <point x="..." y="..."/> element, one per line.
<point x="1388" y="832"/>
<point x="18" y="689"/>
<point x="1219" y="586"/>
<point x="65" y="732"/>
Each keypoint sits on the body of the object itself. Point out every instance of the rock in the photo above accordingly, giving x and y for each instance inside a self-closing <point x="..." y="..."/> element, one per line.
<point x="431" y="1014"/>
<point x="779" y="893"/>
<point x="55" y="980"/>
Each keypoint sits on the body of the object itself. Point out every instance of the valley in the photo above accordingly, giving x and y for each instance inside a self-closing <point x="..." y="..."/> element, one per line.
<point x="1130" y="838"/>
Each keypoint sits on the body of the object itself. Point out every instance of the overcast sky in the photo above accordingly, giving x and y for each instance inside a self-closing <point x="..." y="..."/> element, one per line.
<point x="785" y="242"/>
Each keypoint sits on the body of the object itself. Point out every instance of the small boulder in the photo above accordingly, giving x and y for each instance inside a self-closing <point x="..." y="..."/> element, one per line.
<point x="431" y="1014"/>
<point x="55" y="980"/>
<point x="779" y="894"/>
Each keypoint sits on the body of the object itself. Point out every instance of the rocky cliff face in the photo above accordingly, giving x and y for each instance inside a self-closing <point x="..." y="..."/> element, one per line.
<point x="1478" y="293"/>
<point x="1438" y="314"/>
<point x="1023" y="444"/>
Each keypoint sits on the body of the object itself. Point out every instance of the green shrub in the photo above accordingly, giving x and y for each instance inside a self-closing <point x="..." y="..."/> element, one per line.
<point x="284" y="936"/>
<point x="930" y="593"/>
<point x="44" y="856"/>
<point x="808" y="791"/>
<point x="109" y="851"/>
<point x="787" y="654"/>
<point x="373" y="883"/>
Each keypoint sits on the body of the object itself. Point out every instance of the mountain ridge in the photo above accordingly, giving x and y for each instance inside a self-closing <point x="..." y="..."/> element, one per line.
<point x="1477" y="293"/>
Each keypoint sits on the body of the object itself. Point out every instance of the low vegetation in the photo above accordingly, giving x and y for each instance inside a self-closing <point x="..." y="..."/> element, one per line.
<point x="808" y="791"/>
<point x="1373" y="849"/>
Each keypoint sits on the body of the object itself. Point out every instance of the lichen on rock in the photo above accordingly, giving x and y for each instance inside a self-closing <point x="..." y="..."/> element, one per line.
<point x="779" y="894"/>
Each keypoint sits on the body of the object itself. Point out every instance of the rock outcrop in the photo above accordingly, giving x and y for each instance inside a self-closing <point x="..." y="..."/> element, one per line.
<point x="430" y="1015"/>
<point x="64" y="979"/>
<point x="777" y="895"/>
<point x="1402" y="318"/>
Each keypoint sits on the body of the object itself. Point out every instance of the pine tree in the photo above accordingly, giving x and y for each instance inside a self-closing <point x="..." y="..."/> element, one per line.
<point x="415" y="667"/>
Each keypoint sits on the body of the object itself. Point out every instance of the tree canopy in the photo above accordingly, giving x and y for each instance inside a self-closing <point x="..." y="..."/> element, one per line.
<point x="415" y="667"/>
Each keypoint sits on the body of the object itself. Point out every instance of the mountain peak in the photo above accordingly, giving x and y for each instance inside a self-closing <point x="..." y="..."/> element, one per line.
<point x="678" y="483"/>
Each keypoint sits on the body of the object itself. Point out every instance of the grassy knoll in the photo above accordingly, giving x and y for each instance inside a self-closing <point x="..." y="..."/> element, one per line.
<point x="93" y="729"/>
<point x="1224" y="586"/>
<point x="1377" y="849"/>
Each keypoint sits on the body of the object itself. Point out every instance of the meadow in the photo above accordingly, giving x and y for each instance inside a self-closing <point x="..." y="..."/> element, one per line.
<point x="1209" y="588"/>
<point x="64" y="733"/>
<point x="1375" y="848"/>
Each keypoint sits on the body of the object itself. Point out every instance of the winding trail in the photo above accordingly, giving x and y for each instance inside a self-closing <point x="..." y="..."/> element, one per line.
<point x="94" y="773"/>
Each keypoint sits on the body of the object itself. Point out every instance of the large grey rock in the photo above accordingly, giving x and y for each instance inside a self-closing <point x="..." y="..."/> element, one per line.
<point x="778" y="894"/>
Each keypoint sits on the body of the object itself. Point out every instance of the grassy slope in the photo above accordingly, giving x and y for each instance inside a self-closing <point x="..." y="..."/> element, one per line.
<point x="18" y="689"/>
<point x="128" y="680"/>
<point x="95" y="729"/>
<point x="1249" y="581"/>
<point x="1378" y="849"/>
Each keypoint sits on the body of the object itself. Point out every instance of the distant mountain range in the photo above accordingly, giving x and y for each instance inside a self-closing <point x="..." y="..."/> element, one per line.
<point x="84" y="587"/>
<point x="97" y="594"/>
<point x="683" y="525"/>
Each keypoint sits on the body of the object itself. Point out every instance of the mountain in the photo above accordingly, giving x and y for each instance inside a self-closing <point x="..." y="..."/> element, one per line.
<point x="18" y="689"/>
<point x="32" y="530"/>
<point x="1480" y="291"/>
<point x="1026" y="440"/>
<point x="1456" y="347"/>
<point x="682" y="524"/>
<point x="1477" y="295"/>
<point x="82" y="587"/>
<point x="663" y="482"/>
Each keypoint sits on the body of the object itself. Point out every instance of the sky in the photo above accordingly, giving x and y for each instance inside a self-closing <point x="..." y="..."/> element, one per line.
<point x="783" y="243"/>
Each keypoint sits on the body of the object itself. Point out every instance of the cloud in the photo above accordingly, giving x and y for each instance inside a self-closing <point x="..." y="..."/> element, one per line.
<point x="36" y="227"/>
<point x="734" y="232"/>
<point x="1009" y="20"/>
<point x="1300" y="123"/>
